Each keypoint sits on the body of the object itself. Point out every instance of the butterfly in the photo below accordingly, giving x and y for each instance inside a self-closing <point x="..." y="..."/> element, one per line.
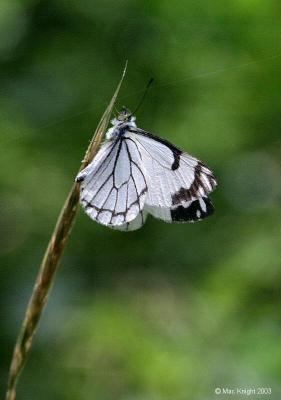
<point x="136" y="173"/>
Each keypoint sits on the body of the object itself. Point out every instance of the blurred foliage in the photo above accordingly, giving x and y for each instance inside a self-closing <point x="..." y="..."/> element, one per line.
<point x="170" y="311"/>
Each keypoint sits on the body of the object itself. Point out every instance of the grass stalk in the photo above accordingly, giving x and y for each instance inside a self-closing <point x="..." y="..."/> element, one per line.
<point x="52" y="256"/>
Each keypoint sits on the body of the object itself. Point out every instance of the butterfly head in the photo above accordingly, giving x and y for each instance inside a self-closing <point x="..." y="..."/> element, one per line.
<point x="124" y="117"/>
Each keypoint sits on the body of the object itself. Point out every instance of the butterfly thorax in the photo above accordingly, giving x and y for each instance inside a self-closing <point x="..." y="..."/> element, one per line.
<point x="120" y="126"/>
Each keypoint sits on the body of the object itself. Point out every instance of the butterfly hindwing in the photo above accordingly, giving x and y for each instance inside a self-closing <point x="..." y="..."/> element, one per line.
<point x="133" y="225"/>
<point x="113" y="186"/>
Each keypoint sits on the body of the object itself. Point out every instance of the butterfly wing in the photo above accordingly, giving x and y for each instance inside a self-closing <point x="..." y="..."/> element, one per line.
<point x="178" y="184"/>
<point x="113" y="185"/>
<point x="133" y="225"/>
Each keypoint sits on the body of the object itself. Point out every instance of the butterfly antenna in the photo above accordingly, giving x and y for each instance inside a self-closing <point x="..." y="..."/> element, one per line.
<point x="143" y="96"/>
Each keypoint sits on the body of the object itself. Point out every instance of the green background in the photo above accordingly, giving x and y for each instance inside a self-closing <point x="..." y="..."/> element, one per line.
<point x="169" y="312"/>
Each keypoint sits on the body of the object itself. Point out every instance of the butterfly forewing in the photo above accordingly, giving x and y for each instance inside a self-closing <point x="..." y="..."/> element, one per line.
<point x="178" y="184"/>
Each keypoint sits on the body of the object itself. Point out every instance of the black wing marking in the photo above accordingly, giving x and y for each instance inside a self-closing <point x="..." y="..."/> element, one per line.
<point x="193" y="211"/>
<point x="203" y="183"/>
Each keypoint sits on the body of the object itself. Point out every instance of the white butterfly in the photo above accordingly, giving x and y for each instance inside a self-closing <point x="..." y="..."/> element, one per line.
<point x="136" y="173"/>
